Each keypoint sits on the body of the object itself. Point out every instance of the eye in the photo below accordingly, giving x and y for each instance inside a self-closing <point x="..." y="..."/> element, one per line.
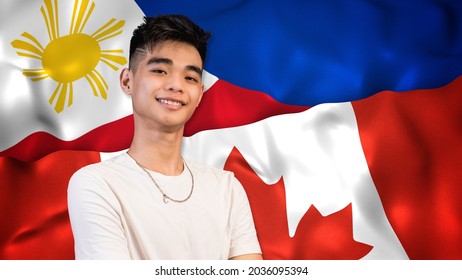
<point x="192" y="79"/>
<point x="158" y="71"/>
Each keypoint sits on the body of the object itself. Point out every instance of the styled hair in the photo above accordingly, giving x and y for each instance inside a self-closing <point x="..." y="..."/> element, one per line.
<point x="154" y="30"/>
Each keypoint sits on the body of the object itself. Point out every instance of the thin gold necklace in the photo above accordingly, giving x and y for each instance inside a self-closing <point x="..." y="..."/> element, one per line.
<point x="165" y="196"/>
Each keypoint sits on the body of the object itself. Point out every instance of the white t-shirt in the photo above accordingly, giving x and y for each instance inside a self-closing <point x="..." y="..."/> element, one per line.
<point x="117" y="212"/>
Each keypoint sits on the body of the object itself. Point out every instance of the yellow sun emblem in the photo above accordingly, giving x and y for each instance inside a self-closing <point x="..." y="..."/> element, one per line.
<point x="69" y="58"/>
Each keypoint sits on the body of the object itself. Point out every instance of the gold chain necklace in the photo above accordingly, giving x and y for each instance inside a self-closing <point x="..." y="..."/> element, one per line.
<point x="166" y="198"/>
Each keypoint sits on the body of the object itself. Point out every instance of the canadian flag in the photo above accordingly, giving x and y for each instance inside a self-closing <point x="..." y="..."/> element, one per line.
<point x="345" y="180"/>
<point x="376" y="178"/>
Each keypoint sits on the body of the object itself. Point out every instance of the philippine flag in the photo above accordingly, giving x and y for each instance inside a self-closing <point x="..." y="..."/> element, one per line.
<point x="342" y="119"/>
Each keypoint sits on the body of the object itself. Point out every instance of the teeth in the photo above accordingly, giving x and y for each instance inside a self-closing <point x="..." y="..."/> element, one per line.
<point x="170" y="102"/>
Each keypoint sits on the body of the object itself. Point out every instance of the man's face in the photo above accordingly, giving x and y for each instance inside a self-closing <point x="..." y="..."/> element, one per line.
<point x="167" y="85"/>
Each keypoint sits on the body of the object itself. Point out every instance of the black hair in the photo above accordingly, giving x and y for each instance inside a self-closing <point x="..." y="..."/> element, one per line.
<point x="178" y="28"/>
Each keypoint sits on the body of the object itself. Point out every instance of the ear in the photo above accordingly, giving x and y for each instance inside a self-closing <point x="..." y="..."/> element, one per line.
<point x="125" y="80"/>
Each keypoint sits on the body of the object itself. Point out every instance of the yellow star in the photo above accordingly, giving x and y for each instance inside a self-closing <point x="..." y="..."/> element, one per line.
<point x="69" y="58"/>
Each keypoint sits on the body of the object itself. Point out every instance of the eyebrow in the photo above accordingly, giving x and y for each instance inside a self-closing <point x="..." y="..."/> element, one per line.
<point x="168" y="61"/>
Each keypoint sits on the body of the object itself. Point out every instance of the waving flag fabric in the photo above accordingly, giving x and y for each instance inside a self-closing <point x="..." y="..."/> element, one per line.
<point x="340" y="118"/>
<point x="60" y="61"/>
<point x="317" y="51"/>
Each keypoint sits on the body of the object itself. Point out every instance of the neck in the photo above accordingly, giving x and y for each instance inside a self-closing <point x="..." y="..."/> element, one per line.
<point x="159" y="152"/>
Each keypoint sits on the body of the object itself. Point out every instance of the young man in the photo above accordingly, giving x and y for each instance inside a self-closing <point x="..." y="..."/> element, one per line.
<point x="150" y="203"/>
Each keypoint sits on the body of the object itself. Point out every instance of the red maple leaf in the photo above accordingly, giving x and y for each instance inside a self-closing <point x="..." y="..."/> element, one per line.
<point x="316" y="237"/>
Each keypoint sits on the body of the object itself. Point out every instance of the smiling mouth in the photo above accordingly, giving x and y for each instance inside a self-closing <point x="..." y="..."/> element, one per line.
<point x="171" y="102"/>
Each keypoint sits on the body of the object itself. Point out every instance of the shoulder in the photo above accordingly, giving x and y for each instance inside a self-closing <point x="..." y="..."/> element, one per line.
<point x="109" y="166"/>
<point x="219" y="179"/>
<point x="101" y="173"/>
<point x="209" y="171"/>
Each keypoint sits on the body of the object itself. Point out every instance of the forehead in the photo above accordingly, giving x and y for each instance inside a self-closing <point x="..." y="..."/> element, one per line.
<point x="178" y="52"/>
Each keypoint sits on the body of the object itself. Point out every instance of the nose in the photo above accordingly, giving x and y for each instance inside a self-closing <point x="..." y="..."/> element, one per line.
<point x="174" y="83"/>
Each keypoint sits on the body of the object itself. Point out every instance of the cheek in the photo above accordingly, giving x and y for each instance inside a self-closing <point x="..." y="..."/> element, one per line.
<point x="139" y="85"/>
<point x="196" y="96"/>
<point x="144" y="90"/>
